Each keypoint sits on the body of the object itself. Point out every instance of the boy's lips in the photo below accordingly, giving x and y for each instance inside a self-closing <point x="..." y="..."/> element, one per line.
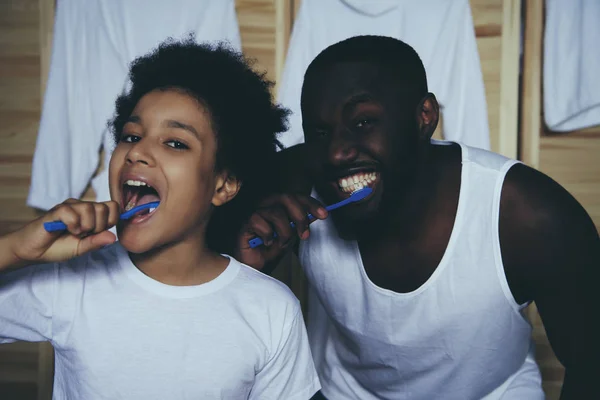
<point x="137" y="190"/>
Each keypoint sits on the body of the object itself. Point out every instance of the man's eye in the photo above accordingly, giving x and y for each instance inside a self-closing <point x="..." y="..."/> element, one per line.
<point x="364" y="123"/>
<point x="176" y="144"/>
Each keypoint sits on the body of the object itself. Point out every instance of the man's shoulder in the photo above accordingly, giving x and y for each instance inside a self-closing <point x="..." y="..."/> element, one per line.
<point x="531" y="199"/>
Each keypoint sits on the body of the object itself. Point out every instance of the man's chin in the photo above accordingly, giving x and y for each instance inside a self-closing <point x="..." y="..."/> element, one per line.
<point x="352" y="225"/>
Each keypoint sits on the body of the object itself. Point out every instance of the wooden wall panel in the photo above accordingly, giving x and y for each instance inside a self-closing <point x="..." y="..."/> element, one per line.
<point x="19" y="117"/>
<point x="257" y="27"/>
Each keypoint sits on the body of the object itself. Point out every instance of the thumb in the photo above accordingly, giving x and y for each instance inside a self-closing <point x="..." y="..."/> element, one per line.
<point x="95" y="242"/>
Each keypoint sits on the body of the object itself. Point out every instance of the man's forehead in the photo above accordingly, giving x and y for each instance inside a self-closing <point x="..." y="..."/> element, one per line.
<point x="347" y="76"/>
<point x="339" y="83"/>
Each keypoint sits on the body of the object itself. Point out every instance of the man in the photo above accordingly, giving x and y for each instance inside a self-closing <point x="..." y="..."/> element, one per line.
<point x="417" y="291"/>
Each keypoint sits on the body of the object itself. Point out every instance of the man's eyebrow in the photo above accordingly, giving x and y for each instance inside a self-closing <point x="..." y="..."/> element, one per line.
<point x="357" y="99"/>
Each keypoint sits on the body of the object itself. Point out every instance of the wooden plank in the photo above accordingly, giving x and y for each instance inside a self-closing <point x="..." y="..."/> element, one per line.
<point x="509" y="76"/>
<point x="45" y="372"/>
<point x="531" y="101"/>
<point x="283" y="25"/>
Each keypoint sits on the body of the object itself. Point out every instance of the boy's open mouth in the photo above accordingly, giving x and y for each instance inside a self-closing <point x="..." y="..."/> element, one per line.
<point x="136" y="193"/>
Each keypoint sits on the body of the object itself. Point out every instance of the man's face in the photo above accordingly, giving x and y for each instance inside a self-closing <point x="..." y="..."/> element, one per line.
<point x="361" y="130"/>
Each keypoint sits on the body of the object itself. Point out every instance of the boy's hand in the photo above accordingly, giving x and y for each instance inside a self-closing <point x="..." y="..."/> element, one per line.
<point x="275" y="215"/>
<point x="87" y="230"/>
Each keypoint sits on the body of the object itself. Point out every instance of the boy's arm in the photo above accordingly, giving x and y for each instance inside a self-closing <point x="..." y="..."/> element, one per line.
<point x="8" y="257"/>
<point x="87" y="230"/>
<point x="289" y="373"/>
<point x="27" y="294"/>
<point x="27" y="303"/>
<point x="293" y="167"/>
<point x="551" y="254"/>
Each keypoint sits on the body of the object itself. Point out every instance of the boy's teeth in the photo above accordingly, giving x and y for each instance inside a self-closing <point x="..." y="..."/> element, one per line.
<point x="131" y="182"/>
<point x="152" y="209"/>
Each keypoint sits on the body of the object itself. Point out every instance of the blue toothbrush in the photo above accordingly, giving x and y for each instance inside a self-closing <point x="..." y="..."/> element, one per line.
<point x="60" y="226"/>
<point x="354" y="197"/>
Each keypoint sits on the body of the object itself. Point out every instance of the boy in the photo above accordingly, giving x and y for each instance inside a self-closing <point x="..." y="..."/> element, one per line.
<point x="161" y="314"/>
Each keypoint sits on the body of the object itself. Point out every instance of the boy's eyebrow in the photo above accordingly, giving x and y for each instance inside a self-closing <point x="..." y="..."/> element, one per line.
<point x="133" y="118"/>
<point x="180" y="125"/>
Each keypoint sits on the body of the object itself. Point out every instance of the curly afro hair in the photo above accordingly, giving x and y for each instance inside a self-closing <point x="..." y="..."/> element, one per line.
<point x="245" y="119"/>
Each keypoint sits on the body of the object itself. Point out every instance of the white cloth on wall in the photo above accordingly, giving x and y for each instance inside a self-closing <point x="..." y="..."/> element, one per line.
<point x="94" y="43"/>
<point x="119" y="334"/>
<point x="571" y="65"/>
<point x="441" y="32"/>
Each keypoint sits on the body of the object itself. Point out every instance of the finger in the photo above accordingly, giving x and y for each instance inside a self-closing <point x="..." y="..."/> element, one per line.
<point x="68" y="216"/>
<point x="102" y="212"/>
<point x="279" y="220"/>
<point x="296" y="212"/>
<point x="95" y="242"/>
<point x="113" y="213"/>
<point x="313" y="206"/>
<point x="87" y="216"/>
<point x="258" y="226"/>
<point x="71" y="201"/>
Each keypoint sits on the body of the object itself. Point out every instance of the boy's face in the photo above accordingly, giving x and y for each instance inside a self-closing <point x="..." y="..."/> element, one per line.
<point x="166" y="153"/>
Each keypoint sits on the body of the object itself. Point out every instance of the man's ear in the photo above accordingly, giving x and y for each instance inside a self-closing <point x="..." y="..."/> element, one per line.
<point x="227" y="187"/>
<point x="428" y="115"/>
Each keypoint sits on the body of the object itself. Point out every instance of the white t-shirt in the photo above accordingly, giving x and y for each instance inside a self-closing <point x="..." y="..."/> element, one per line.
<point x="118" y="334"/>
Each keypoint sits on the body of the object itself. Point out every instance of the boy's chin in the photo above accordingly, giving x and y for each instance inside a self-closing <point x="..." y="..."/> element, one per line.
<point x="136" y="244"/>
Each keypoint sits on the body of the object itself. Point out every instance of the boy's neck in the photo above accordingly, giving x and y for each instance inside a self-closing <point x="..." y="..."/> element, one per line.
<point x="183" y="264"/>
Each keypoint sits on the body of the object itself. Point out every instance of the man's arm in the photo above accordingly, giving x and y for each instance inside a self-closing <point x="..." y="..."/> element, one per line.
<point x="293" y="170"/>
<point x="290" y="203"/>
<point x="551" y="255"/>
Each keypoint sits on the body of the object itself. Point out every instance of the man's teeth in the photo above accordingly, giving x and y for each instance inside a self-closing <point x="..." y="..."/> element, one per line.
<point x="352" y="183"/>
<point x="131" y="182"/>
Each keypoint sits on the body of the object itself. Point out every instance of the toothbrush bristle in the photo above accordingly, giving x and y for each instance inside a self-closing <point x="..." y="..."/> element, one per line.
<point x="361" y="193"/>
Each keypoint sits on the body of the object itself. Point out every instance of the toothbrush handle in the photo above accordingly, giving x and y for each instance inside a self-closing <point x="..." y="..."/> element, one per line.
<point x="55" y="226"/>
<point x="256" y="241"/>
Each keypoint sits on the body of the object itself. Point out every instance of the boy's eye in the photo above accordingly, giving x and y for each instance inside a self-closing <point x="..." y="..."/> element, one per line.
<point x="176" y="144"/>
<point x="127" y="138"/>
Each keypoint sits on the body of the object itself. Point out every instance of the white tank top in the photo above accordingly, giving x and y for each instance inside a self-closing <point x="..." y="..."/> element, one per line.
<point x="461" y="335"/>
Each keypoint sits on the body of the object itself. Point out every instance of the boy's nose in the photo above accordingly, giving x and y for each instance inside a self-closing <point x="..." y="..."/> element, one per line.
<point x="140" y="153"/>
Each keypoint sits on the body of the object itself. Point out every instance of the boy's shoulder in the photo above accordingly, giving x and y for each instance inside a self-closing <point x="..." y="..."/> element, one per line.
<point x="257" y="284"/>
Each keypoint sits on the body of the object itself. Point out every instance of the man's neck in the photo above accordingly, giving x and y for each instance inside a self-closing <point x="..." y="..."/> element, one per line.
<point x="408" y="210"/>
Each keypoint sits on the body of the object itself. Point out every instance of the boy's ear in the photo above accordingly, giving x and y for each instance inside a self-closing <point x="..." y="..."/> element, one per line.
<point x="227" y="187"/>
